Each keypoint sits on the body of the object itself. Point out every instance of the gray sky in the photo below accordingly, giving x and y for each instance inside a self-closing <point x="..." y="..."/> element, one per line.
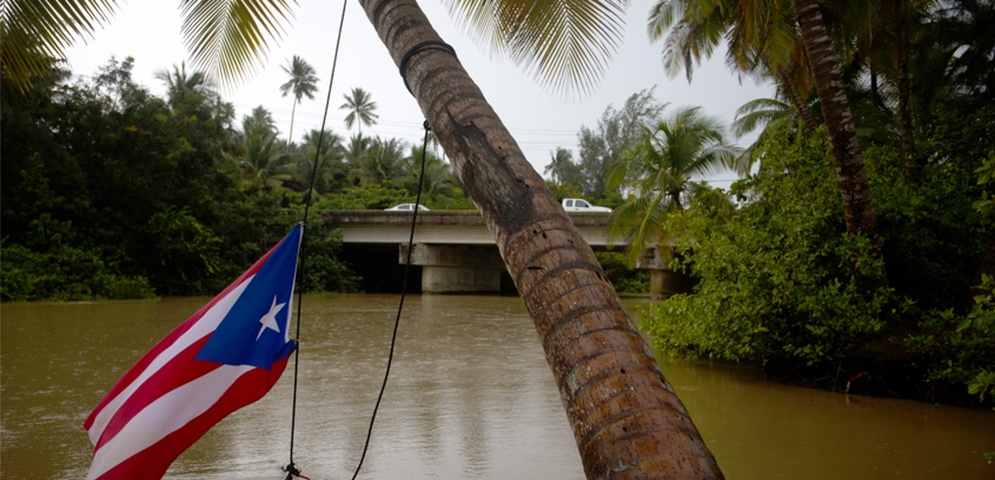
<point x="539" y="120"/>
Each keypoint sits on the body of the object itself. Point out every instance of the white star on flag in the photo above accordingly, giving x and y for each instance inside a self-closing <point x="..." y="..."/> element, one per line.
<point x="269" y="320"/>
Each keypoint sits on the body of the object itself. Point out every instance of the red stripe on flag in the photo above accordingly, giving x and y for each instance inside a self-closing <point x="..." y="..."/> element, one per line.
<point x="136" y="370"/>
<point x="153" y="462"/>
<point x="180" y="370"/>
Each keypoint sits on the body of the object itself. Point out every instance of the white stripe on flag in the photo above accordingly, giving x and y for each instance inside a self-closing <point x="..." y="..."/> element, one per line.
<point x="164" y="416"/>
<point x="207" y="324"/>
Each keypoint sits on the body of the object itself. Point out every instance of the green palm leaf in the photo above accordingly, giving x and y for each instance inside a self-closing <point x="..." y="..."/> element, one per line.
<point x="229" y="37"/>
<point x="34" y="33"/>
<point x="563" y="43"/>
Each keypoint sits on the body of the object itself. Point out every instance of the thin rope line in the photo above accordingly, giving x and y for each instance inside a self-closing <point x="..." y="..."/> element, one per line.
<point x="291" y="470"/>
<point x="400" y="306"/>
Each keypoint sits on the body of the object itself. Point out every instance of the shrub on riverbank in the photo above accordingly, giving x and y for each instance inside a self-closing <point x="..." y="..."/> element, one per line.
<point x="777" y="285"/>
<point x="65" y="273"/>
<point x="624" y="278"/>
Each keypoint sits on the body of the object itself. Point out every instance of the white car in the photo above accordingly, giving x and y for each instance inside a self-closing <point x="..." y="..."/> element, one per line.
<point x="407" y="207"/>
<point x="581" y="205"/>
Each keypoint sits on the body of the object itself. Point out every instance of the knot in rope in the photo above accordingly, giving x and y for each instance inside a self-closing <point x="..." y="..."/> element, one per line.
<point x="293" y="472"/>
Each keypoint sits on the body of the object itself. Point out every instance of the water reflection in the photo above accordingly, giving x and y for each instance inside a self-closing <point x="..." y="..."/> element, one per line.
<point x="470" y="396"/>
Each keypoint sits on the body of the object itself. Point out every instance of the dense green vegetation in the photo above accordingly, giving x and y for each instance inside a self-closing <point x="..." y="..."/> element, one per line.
<point x="889" y="291"/>
<point x="111" y="192"/>
<point x="777" y="284"/>
<point x="861" y="250"/>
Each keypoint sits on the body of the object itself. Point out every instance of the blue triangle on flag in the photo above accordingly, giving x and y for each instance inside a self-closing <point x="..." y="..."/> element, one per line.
<point x="254" y="332"/>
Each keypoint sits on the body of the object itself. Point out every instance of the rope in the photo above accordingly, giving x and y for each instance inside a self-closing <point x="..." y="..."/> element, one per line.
<point x="426" y="45"/>
<point x="400" y="306"/>
<point x="291" y="469"/>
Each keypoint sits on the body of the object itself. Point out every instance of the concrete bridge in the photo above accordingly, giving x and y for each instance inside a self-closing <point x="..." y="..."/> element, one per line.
<point x="457" y="253"/>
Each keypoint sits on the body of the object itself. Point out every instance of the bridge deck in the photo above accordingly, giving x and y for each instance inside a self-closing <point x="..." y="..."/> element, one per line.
<point x="463" y="227"/>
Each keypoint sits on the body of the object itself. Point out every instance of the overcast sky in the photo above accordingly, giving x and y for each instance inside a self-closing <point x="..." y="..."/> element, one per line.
<point x="539" y="120"/>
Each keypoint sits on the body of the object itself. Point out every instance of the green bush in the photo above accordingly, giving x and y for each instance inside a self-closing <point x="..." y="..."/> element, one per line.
<point x="776" y="278"/>
<point x="624" y="278"/>
<point x="64" y="273"/>
<point x="959" y="346"/>
<point x="369" y="197"/>
<point x="321" y="267"/>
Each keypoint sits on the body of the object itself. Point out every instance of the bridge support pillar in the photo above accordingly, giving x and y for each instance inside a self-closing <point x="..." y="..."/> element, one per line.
<point x="456" y="269"/>
<point x="664" y="282"/>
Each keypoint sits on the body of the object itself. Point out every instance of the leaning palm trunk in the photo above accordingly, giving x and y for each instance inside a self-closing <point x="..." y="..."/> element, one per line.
<point x="791" y="91"/>
<point x="626" y="419"/>
<point x="858" y="207"/>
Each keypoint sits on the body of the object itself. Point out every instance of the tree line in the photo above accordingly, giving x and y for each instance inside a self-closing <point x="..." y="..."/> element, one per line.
<point x="111" y="192"/>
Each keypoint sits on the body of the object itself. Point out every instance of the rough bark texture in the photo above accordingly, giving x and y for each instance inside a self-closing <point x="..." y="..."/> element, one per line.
<point x="626" y="418"/>
<point x="858" y="207"/>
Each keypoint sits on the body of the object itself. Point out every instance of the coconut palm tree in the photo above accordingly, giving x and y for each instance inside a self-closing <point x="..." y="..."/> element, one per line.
<point x="383" y="161"/>
<point x="659" y="172"/>
<point x="858" y="205"/>
<point x="438" y="179"/>
<point x="781" y="36"/>
<point x="257" y="151"/>
<point x="186" y="91"/>
<point x="559" y="162"/>
<point x="331" y="170"/>
<point x="626" y="418"/>
<point x="303" y="83"/>
<point x="361" y="108"/>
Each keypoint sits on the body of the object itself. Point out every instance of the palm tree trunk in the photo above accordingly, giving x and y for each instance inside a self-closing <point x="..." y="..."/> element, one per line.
<point x="791" y="92"/>
<point x="290" y="136"/>
<point x="912" y="166"/>
<point x="858" y="207"/>
<point x="626" y="418"/>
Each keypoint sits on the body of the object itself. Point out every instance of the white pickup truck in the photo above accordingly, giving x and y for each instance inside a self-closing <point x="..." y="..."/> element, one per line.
<point x="581" y="205"/>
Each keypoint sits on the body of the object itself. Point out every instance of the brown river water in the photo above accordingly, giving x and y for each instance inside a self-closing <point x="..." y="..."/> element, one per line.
<point x="469" y="397"/>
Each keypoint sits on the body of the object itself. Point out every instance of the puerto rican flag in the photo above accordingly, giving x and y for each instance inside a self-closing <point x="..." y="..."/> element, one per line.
<point x="224" y="357"/>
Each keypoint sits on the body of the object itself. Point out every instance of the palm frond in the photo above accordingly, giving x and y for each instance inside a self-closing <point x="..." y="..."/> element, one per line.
<point x="562" y="44"/>
<point x="34" y="33"/>
<point x="229" y="38"/>
<point x="757" y="113"/>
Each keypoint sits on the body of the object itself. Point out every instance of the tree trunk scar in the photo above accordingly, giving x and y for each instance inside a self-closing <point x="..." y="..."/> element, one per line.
<point x="508" y="197"/>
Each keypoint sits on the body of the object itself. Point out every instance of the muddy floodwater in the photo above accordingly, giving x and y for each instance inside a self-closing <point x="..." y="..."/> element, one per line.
<point x="470" y="397"/>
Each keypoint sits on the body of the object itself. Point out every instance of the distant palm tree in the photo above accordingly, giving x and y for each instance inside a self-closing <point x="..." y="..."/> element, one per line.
<point x="762" y="115"/>
<point x="331" y="171"/>
<point x="439" y="177"/>
<point x="303" y="83"/>
<point x="383" y="161"/>
<point x="257" y="152"/>
<point x="185" y="88"/>
<point x="360" y="107"/>
<point x="559" y="163"/>
<point x="659" y="170"/>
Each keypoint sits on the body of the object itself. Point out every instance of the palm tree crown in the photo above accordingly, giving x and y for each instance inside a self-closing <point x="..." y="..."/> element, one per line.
<point x="360" y="107"/>
<point x="659" y="170"/>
